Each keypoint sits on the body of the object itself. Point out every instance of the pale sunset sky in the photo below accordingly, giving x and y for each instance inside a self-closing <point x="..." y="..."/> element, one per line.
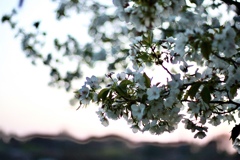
<point x="28" y="105"/>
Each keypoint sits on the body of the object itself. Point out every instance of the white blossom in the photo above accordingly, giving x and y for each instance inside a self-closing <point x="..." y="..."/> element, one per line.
<point x="120" y="3"/>
<point x="216" y="120"/>
<point x="153" y="92"/>
<point x="194" y="108"/>
<point x="93" y="82"/>
<point x="135" y="128"/>
<point x="181" y="41"/>
<point x="104" y="122"/>
<point x="169" y="101"/>
<point x="84" y="92"/>
<point x="121" y="76"/>
<point x="229" y="118"/>
<point x="139" y="79"/>
<point x="138" y="110"/>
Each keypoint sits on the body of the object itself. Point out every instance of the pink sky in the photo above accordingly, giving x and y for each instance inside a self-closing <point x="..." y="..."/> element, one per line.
<point x="28" y="105"/>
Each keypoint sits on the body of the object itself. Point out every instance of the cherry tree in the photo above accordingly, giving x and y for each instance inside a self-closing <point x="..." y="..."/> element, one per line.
<point x="195" y="42"/>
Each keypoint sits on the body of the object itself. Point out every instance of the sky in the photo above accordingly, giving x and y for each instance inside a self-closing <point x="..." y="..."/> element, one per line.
<point x="28" y="105"/>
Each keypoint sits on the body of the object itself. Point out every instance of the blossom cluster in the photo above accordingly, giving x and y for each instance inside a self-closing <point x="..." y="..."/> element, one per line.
<point x="201" y="88"/>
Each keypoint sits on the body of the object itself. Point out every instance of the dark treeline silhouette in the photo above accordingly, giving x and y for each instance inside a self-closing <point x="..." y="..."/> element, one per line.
<point x="63" y="147"/>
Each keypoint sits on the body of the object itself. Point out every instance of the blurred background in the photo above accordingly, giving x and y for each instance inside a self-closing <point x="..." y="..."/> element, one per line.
<point x="38" y="122"/>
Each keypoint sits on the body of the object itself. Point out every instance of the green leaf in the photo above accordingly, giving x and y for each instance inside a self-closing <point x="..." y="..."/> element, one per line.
<point x="144" y="98"/>
<point x="168" y="32"/>
<point x="147" y="80"/>
<point x="125" y="83"/>
<point x="121" y="91"/>
<point x="206" y="48"/>
<point x="145" y="57"/>
<point x="193" y="90"/>
<point x="150" y="37"/>
<point x="103" y="94"/>
<point x="205" y="94"/>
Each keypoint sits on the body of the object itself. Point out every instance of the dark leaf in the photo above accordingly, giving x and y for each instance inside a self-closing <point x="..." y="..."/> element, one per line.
<point x="205" y="94"/>
<point x="49" y="58"/>
<point x="144" y="98"/>
<point x="103" y="94"/>
<point x="193" y="90"/>
<point x="206" y="49"/>
<point x="233" y="90"/>
<point x="5" y="18"/>
<point x="121" y="91"/>
<point x="235" y="132"/>
<point x="36" y="24"/>
<point x="125" y="83"/>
